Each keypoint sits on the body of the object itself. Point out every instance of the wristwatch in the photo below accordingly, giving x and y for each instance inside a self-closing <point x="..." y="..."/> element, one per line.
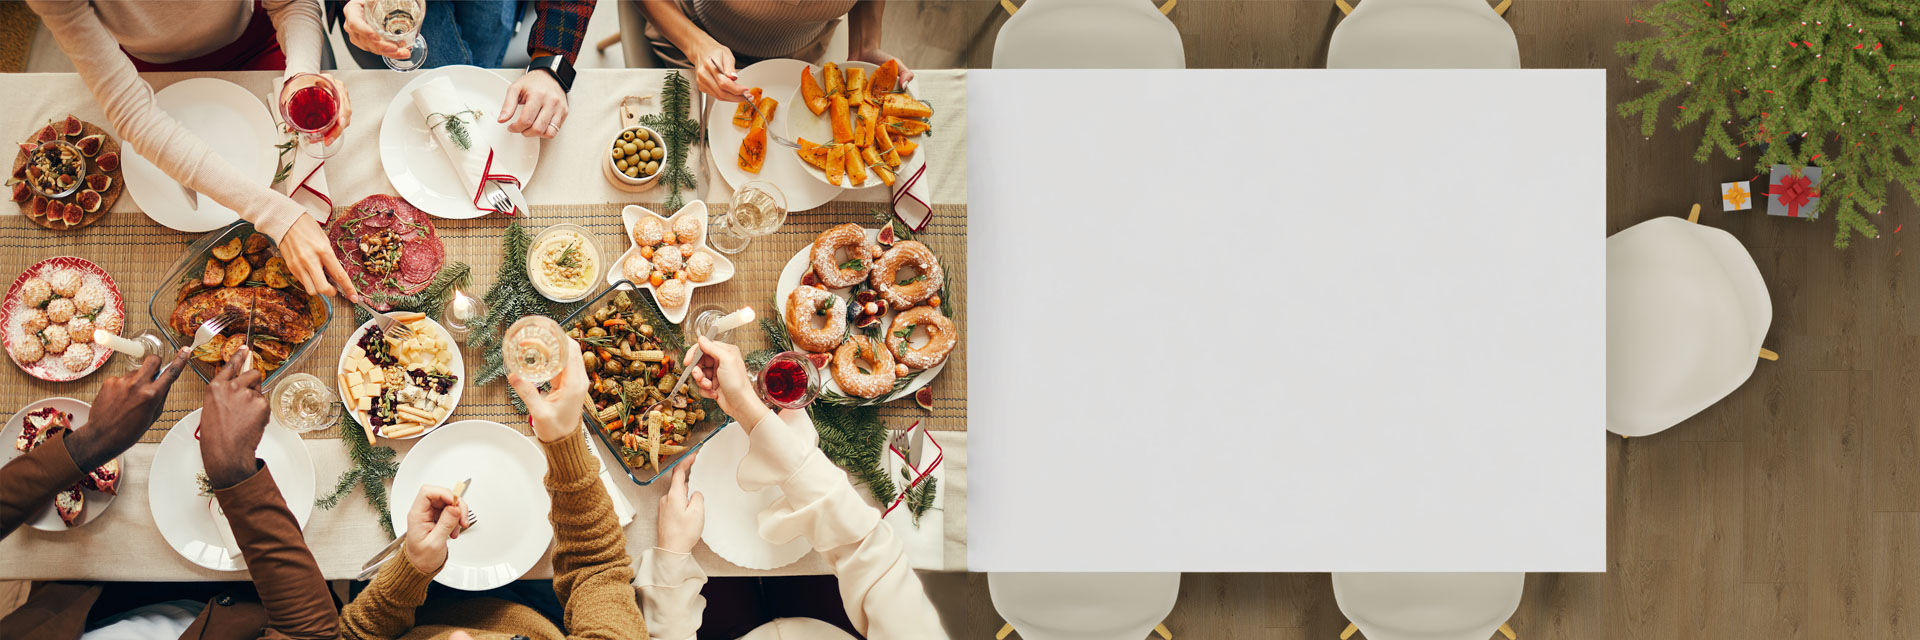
<point x="558" y="66"/>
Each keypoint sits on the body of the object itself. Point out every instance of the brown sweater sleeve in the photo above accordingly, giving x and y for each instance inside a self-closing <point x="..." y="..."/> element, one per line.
<point x="31" y="480"/>
<point x="291" y="588"/>
<point x="592" y="572"/>
<point x="385" y="609"/>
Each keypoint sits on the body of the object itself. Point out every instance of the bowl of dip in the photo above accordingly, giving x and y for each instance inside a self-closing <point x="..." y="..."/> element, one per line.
<point x="564" y="263"/>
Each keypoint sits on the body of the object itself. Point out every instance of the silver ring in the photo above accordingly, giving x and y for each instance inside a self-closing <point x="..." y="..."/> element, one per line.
<point x="553" y="124"/>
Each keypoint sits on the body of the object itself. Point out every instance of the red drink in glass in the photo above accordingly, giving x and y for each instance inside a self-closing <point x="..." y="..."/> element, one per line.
<point x="312" y="108"/>
<point x="789" y="381"/>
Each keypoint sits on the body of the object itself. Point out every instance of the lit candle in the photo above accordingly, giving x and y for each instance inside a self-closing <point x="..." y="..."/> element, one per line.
<point x="130" y="347"/>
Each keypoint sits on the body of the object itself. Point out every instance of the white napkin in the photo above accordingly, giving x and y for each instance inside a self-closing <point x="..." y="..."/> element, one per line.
<point x="474" y="163"/>
<point x="911" y="203"/>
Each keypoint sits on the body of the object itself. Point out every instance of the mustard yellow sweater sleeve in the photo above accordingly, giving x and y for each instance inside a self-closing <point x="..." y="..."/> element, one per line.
<point x="385" y="608"/>
<point x="592" y="571"/>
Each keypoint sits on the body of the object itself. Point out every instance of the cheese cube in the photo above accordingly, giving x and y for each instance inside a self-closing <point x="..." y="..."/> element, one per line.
<point x="355" y="379"/>
<point x="354" y="351"/>
<point x="363" y="405"/>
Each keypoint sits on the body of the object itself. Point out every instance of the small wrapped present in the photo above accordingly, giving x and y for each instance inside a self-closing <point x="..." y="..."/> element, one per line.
<point x="1734" y="196"/>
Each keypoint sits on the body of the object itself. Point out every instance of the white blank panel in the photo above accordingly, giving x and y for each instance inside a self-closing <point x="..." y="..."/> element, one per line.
<point x="1286" y="320"/>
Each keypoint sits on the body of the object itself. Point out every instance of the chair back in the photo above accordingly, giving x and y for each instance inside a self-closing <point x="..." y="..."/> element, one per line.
<point x="1083" y="606"/>
<point x="1423" y="34"/>
<point x="1088" y="34"/>
<point x="1428" y="606"/>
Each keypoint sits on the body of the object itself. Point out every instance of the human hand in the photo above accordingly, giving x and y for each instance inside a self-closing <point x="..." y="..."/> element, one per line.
<point x="713" y="71"/>
<point x="231" y="425"/>
<point x="536" y="104"/>
<point x="879" y="57"/>
<point x="369" y="39"/>
<point x="722" y="375"/>
<point x="435" y="517"/>
<point x="123" y="410"/>
<point x="310" y="256"/>
<point x="556" y="414"/>
<point x="346" y="110"/>
<point x="682" y="515"/>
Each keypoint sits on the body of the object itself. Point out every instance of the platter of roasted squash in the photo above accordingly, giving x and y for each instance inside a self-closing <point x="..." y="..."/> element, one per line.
<point x="856" y="124"/>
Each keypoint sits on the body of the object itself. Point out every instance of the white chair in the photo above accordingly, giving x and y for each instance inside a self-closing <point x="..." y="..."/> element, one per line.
<point x="1423" y="34"/>
<point x="1088" y="34"/>
<point x="1428" y="606"/>
<point x="1686" y="314"/>
<point x="1084" y="606"/>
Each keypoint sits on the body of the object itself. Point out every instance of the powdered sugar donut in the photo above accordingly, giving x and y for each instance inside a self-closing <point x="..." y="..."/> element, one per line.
<point x="649" y="231"/>
<point x="32" y="320"/>
<point x="35" y="292"/>
<point x="636" y="268"/>
<point x="60" y="310"/>
<point x="91" y="298"/>
<point x="54" y="338"/>
<point x="25" y="348"/>
<point x="65" y="282"/>
<point x="77" y="357"/>
<point x="700" y="267"/>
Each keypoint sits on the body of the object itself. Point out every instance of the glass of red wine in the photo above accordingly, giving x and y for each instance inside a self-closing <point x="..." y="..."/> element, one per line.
<point x="789" y="381"/>
<point x="310" y="104"/>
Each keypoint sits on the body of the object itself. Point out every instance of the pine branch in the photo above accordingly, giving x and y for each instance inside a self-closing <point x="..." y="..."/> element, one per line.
<point x="679" y="130"/>
<point x="920" y="497"/>
<point x="371" y="468"/>
<point x="854" y="438"/>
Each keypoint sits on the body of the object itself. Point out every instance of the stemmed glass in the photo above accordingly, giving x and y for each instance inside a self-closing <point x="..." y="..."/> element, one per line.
<point x="532" y="348"/>
<point x="310" y="104"/>
<point x="399" y="22"/>
<point x="758" y="208"/>
<point x="302" y="403"/>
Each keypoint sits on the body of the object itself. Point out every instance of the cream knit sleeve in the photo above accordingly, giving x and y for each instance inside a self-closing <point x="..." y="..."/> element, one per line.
<point x="130" y="108"/>
<point x="882" y="595"/>
<point x="302" y="32"/>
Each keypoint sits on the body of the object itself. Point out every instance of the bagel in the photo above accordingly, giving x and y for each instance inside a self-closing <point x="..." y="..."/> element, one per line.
<point x="941" y="337"/>
<point x="846" y="368"/>
<point x="859" y="261"/>
<point x="803" y="306"/>
<point x="903" y="295"/>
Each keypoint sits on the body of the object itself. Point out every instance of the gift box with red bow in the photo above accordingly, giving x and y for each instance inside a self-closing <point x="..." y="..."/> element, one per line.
<point x="1794" y="193"/>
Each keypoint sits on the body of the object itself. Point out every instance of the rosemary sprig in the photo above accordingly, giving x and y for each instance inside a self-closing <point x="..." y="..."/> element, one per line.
<point x="286" y="166"/>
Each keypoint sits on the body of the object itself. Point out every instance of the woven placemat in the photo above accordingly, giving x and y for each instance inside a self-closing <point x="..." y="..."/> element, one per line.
<point x="138" y="253"/>
<point x="18" y="24"/>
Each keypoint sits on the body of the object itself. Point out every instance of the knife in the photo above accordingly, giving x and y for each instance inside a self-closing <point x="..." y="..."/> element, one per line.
<point x="910" y="441"/>
<point x="193" y="197"/>
<point x="253" y="304"/>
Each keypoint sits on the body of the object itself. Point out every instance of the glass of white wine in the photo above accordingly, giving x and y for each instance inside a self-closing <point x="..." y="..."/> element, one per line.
<point x="398" y="21"/>
<point x="532" y="348"/>
<point x="303" y="403"/>
<point x="758" y="208"/>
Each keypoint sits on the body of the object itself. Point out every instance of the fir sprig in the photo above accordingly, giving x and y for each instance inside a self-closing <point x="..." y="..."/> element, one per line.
<point x="455" y="125"/>
<point x="920" y="497"/>
<point x="431" y="300"/>
<point x="855" y="438"/>
<point x="1792" y="82"/>
<point x="372" y="467"/>
<point x="676" y="98"/>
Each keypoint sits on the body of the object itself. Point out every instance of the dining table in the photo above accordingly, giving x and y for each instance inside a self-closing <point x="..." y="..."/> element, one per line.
<point x="124" y="544"/>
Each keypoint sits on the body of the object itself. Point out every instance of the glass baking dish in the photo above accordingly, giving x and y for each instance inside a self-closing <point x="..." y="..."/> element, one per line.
<point x="189" y="268"/>
<point x="674" y="347"/>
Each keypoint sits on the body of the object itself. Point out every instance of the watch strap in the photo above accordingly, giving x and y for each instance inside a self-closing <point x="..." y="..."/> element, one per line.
<point x="558" y="66"/>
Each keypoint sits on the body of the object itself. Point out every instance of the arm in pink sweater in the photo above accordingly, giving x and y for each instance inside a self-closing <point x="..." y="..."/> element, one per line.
<point x="129" y="105"/>
<point x="302" y="32"/>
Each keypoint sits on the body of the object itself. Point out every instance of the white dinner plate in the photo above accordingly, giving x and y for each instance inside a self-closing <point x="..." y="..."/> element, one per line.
<point x="181" y="513"/>
<point x="733" y="514"/>
<point x="799" y="122"/>
<point x="96" y="502"/>
<point x="722" y="267"/>
<point x="419" y="169"/>
<point x="798" y="266"/>
<point x="778" y="79"/>
<point x="508" y="493"/>
<point x="457" y="361"/>
<point x="233" y="123"/>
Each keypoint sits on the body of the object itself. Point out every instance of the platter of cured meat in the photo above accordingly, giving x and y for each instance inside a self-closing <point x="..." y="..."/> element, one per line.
<point x="388" y="247"/>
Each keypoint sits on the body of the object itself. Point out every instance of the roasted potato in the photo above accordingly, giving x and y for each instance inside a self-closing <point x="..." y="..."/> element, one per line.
<point x="211" y="351"/>
<point x="275" y="274"/>
<point x="237" y="272"/>
<point x="258" y="243"/>
<point x="214" y="274"/>
<point x="230" y="249"/>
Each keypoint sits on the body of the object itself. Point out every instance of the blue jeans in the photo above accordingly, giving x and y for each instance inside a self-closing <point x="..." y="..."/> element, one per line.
<point x="470" y="32"/>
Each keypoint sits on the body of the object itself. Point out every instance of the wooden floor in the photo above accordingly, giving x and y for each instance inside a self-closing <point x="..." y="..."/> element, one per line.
<point x="1790" y="510"/>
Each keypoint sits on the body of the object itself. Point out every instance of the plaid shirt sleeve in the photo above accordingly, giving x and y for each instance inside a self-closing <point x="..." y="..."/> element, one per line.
<point x="560" y="29"/>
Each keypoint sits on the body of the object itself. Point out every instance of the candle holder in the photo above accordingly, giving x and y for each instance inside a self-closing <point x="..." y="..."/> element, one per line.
<point x="461" y="311"/>
<point x="128" y="353"/>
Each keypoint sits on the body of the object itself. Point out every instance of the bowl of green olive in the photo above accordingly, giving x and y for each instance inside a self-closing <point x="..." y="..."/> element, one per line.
<point x="636" y="157"/>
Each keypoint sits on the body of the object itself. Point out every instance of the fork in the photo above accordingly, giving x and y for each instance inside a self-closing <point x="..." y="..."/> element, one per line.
<point x="389" y="326"/>
<point x="212" y="327"/>
<point x="473" y="518"/>
<point x="499" y="200"/>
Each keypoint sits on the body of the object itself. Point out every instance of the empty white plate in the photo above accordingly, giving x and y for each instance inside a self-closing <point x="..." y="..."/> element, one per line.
<point x="509" y="494"/>
<point x="181" y="513"/>
<point x="233" y="123"/>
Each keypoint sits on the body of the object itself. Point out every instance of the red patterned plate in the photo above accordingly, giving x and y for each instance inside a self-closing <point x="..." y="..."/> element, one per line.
<point x="49" y="367"/>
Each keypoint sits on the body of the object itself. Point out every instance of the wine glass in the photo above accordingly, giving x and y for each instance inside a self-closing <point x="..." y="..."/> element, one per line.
<point x="398" y="21"/>
<point x="310" y="105"/>
<point x="302" y="403"/>
<point x="758" y="208"/>
<point x="788" y="380"/>
<point x="531" y="348"/>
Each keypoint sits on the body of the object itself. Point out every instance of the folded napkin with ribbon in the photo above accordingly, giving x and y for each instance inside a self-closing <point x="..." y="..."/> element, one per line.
<point x="467" y="136"/>
<point x="911" y="201"/>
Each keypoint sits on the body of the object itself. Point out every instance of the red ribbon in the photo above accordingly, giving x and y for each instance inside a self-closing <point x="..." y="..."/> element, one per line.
<point x="940" y="453"/>
<point x="487" y="175"/>
<point x="1793" y="191"/>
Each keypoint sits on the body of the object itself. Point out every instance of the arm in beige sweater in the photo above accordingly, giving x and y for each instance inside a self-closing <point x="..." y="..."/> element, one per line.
<point x="301" y="27"/>
<point x="129" y="105"/>
<point x="882" y="595"/>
